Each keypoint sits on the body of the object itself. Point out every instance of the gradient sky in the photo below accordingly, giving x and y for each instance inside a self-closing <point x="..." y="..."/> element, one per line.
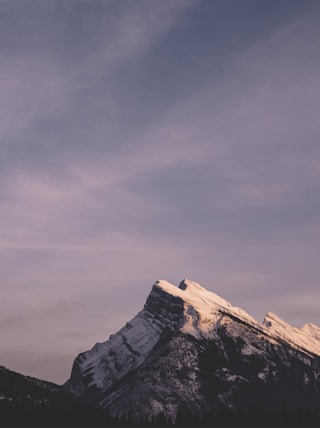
<point x="153" y="139"/>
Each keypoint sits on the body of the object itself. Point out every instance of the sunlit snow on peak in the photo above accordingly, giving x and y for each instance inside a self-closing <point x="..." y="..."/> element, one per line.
<point x="203" y="308"/>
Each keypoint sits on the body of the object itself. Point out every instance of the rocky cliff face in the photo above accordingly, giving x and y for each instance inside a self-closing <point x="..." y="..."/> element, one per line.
<point x="190" y="350"/>
<point x="106" y="363"/>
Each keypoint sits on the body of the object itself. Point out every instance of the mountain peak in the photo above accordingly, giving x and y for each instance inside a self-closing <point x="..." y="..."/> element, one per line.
<point x="202" y="308"/>
<point x="306" y="337"/>
<point x="186" y="283"/>
<point x="193" y="293"/>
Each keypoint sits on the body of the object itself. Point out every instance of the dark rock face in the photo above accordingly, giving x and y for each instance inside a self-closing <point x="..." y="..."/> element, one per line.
<point x="187" y="374"/>
<point x="166" y="308"/>
<point x="198" y="354"/>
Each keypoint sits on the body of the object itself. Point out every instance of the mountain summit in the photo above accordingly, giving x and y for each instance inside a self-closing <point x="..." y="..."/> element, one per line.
<point x="189" y="350"/>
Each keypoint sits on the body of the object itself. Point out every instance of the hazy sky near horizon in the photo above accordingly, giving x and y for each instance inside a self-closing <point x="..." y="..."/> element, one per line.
<point x="153" y="139"/>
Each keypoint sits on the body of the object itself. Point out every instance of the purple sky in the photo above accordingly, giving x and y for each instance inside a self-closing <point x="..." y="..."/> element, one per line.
<point x="145" y="140"/>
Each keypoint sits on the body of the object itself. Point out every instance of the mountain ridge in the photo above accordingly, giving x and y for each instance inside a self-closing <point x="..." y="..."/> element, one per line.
<point x="272" y="322"/>
<point x="190" y="349"/>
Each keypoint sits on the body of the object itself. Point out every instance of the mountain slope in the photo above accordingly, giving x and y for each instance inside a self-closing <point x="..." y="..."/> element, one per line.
<point x="190" y="350"/>
<point x="25" y="400"/>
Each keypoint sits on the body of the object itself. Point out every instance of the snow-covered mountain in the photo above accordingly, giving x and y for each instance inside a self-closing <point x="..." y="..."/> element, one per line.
<point x="189" y="350"/>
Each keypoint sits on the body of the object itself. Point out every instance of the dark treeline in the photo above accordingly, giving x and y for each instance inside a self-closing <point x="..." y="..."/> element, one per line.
<point x="80" y="416"/>
<point x="251" y="419"/>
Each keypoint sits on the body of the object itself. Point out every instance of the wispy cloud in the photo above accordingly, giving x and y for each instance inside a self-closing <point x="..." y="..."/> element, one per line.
<point x="146" y="140"/>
